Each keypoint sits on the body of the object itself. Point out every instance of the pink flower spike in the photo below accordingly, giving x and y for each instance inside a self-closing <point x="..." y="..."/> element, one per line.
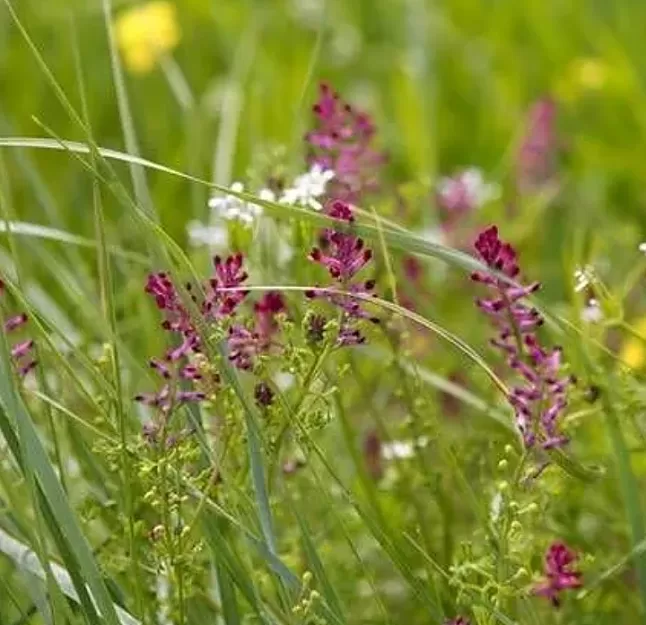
<point x="559" y="573"/>
<point x="342" y="142"/>
<point x="540" y="398"/>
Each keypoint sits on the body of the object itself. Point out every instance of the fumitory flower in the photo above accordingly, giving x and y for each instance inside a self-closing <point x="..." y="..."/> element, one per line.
<point x="344" y="254"/>
<point x="458" y="620"/>
<point x="228" y="274"/>
<point x="559" y="571"/>
<point x="20" y="351"/>
<point x="342" y="143"/>
<point x="540" y="396"/>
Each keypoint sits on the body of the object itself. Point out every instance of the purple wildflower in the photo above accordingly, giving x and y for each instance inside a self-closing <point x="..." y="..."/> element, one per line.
<point x="244" y="343"/>
<point x="168" y="396"/>
<point x="458" y="620"/>
<point x="228" y="274"/>
<point x="20" y="352"/>
<point x="243" y="346"/>
<point x="559" y="573"/>
<point x="537" y="154"/>
<point x="540" y="398"/>
<point x="343" y="255"/>
<point x="342" y="142"/>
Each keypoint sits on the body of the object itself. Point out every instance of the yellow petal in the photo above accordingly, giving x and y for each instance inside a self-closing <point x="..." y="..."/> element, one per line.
<point x="145" y="32"/>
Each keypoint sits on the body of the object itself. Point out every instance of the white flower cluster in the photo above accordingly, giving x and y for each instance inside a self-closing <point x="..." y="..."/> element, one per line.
<point x="402" y="450"/>
<point x="231" y="207"/>
<point x="307" y="188"/>
<point x="306" y="191"/>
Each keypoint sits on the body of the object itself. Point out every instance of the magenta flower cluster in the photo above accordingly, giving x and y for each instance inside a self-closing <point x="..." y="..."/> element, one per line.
<point x="540" y="397"/>
<point x="344" y="255"/>
<point x="560" y="574"/>
<point x="342" y="142"/>
<point x="22" y="350"/>
<point x="217" y="301"/>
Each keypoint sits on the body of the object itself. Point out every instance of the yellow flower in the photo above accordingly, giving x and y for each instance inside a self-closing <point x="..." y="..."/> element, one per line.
<point x="591" y="74"/>
<point x="145" y="33"/>
<point x="633" y="351"/>
<point x="583" y="75"/>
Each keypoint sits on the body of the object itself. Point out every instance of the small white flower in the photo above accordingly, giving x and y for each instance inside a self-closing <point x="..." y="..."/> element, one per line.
<point x="308" y="187"/>
<point x="642" y="247"/>
<point x="402" y="450"/>
<point x="200" y="234"/>
<point x="584" y="278"/>
<point x="467" y="189"/>
<point x="231" y="207"/>
<point x="592" y="312"/>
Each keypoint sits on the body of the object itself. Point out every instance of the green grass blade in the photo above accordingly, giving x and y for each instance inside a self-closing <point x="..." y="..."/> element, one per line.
<point x="27" y="560"/>
<point x="53" y="493"/>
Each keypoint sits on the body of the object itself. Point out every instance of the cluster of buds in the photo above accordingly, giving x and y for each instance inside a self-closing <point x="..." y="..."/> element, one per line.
<point x="218" y="301"/>
<point x="540" y="398"/>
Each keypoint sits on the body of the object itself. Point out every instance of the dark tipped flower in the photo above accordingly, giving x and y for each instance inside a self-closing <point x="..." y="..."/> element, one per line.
<point x="344" y="255"/>
<point x="560" y="573"/>
<point x="342" y="142"/>
<point x="458" y="620"/>
<point x="540" y="398"/>
<point x="228" y="274"/>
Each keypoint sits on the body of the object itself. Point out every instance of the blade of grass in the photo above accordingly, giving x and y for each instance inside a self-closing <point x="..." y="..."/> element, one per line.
<point x="38" y="231"/>
<point x="27" y="560"/>
<point x="36" y="461"/>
